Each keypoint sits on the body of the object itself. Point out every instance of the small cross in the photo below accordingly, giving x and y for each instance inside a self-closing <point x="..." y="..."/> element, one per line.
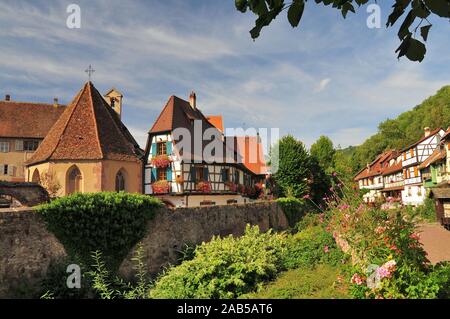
<point x="89" y="71"/>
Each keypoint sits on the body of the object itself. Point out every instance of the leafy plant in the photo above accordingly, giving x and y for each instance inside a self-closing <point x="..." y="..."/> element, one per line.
<point x="418" y="10"/>
<point x="109" y="222"/>
<point x="293" y="208"/>
<point x="225" y="267"/>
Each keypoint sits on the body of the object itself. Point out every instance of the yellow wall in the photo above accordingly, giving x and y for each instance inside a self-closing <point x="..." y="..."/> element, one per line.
<point x="133" y="175"/>
<point x="16" y="159"/>
<point x="97" y="175"/>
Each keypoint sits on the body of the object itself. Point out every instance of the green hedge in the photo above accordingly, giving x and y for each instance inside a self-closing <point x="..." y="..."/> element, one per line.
<point x="108" y="222"/>
<point x="293" y="208"/>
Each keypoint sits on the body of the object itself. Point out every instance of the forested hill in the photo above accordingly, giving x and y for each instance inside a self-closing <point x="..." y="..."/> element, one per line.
<point x="407" y="128"/>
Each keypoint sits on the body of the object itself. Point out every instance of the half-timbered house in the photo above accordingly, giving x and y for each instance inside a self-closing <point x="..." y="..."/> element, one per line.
<point x="412" y="157"/>
<point x="371" y="178"/>
<point x="189" y="162"/>
<point x="440" y="179"/>
<point x="393" y="178"/>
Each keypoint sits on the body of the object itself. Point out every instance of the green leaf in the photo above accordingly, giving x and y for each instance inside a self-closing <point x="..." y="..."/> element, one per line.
<point x="424" y="31"/>
<point x="295" y="12"/>
<point x="439" y="7"/>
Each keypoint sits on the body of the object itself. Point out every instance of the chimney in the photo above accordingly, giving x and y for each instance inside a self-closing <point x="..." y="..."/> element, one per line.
<point x="55" y="102"/>
<point x="427" y="131"/>
<point x="193" y="100"/>
<point x="368" y="167"/>
<point x="7" y="97"/>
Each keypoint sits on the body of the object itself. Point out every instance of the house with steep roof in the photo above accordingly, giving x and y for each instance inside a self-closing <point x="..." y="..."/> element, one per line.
<point x="413" y="156"/>
<point x="371" y="178"/>
<point x="438" y="179"/>
<point x="23" y="126"/>
<point x="392" y="173"/>
<point x="189" y="161"/>
<point x="89" y="149"/>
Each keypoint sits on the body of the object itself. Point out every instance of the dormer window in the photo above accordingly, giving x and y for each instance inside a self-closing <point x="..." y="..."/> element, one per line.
<point x="113" y="101"/>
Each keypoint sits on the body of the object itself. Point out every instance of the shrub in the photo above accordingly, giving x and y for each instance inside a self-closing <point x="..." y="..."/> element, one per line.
<point x="225" y="267"/>
<point x="293" y="208"/>
<point x="311" y="247"/>
<point x="109" y="222"/>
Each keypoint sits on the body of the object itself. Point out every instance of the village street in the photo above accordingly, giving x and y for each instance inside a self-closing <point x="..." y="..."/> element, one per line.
<point x="435" y="240"/>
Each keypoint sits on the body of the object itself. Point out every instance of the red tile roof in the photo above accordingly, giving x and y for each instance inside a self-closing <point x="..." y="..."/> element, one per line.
<point x="251" y="151"/>
<point x="376" y="167"/>
<point x="28" y="120"/>
<point x="217" y="121"/>
<point x="89" y="129"/>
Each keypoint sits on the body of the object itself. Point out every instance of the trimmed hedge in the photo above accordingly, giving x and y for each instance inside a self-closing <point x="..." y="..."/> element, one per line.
<point x="108" y="222"/>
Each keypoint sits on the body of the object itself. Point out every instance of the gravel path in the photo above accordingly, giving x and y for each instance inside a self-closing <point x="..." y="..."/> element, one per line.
<point x="436" y="242"/>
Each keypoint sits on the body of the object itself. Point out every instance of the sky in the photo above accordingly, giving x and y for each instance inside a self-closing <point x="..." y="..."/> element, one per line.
<point x="330" y="76"/>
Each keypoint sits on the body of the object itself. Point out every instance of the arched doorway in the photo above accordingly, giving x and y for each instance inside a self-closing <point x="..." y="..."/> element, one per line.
<point x="121" y="181"/>
<point x="36" y="178"/>
<point x="74" y="181"/>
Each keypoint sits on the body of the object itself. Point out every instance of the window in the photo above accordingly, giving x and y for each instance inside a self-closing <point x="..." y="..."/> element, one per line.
<point x="225" y="175"/>
<point x="161" y="148"/>
<point x="200" y="174"/>
<point x="4" y="147"/>
<point x="162" y="174"/>
<point x="30" y="145"/>
<point x="5" y="169"/>
<point x="74" y="180"/>
<point x="120" y="182"/>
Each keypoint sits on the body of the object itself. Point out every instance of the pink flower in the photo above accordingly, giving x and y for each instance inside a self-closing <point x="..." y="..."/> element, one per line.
<point x="306" y="196"/>
<point x="414" y="236"/>
<point x="357" y="279"/>
<point x="387" y="269"/>
<point x="380" y="230"/>
<point x="334" y="174"/>
<point x="344" y="207"/>
<point x="326" y="249"/>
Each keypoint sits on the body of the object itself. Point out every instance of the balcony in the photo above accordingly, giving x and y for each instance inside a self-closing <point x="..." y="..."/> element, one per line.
<point x="394" y="184"/>
<point x="409" y="161"/>
<point x="373" y="186"/>
<point x="414" y="180"/>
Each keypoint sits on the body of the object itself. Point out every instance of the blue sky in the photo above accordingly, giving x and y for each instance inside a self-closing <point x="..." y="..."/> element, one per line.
<point x="330" y="76"/>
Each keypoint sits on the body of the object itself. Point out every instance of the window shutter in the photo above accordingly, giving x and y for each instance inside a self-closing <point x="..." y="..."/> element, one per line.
<point x="19" y="145"/>
<point x="193" y="175"/>
<point x="2" y="168"/>
<point x="169" y="148"/>
<point x="10" y="170"/>
<point x="205" y="173"/>
<point x="154" y="149"/>
<point x="224" y="175"/>
<point x="169" y="174"/>
<point x="404" y="156"/>
<point x="154" y="172"/>
<point x="416" y="172"/>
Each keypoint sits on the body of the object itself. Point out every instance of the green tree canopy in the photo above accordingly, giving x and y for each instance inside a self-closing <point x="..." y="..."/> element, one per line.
<point x="323" y="150"/>
<point x="418" y="13"/>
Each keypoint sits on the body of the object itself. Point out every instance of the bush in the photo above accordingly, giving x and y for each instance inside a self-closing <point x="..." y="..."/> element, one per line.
<point x="311" y="247"/>
<point x="293" y="208"/>
<point x="225" y="267"/>
<point x="109" y="222"/>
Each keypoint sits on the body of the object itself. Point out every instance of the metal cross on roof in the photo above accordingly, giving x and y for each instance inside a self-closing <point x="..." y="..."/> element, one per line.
<point x="89" y="71"/>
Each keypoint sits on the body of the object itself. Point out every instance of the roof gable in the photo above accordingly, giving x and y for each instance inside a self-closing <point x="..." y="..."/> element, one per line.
<point x="88" y="130"/>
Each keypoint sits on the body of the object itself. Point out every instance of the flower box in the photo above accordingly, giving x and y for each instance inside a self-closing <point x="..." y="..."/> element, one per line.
<point x="161" y="161"/>
<point x="204" y="187"/>
<point x="160" y="187"/>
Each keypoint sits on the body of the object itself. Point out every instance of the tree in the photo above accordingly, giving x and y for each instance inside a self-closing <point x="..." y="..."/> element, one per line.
<point x="420" y="10"/>
<point x="50" y="182"/>
<point x="323" y="150"/>
<point x="290" y="161"/>
<point x="296" y="173"/>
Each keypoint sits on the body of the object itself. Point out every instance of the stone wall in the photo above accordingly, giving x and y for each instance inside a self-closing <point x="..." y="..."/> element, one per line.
<point x="28" y="194"/>
<point x="27" y="248"/>
<point x="170" y="231"/>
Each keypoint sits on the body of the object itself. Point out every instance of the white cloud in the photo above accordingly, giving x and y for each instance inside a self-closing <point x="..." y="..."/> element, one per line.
<point x="322" y="85"/>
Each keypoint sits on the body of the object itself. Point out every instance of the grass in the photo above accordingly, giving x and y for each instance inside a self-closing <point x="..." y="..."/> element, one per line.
<point x="302" y="283"/>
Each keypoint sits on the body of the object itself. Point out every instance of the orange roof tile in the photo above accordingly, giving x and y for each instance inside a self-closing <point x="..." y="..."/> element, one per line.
<point x="217" y="121"/>
<point x="27" y="120"/>
<point x="251" y="151"/>
<point x="88" y="129"/>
